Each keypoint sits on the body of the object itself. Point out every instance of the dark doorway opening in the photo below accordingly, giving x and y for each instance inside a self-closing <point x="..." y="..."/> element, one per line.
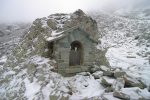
<point x="51" y="49"/>
<point x="76" y="54"/>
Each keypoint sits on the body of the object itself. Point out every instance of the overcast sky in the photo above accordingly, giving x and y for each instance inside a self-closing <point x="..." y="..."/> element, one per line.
<point x="28" y="10"/>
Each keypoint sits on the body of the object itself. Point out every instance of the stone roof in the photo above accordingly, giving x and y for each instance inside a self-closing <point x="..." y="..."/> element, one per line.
<point x="60" y="35"/>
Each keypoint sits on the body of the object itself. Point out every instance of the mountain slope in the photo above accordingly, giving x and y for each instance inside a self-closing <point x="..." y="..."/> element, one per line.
<point x="28" y="75"/>
<point x="128" y="43"/>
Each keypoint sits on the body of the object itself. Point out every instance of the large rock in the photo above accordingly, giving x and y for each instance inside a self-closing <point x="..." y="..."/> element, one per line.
<point x="31" y="68"/>
<point x="121" y="95"/>
<point x="84" y="73"/>
<point x="106" y="71"/>
<point x="107" y="81"/>
<point x="132" y="82"/>
<point x="118" y="84"/>
<point x="52" y="24"/>
<point x="98" y="74"/>
<point x="94" y="68"/>
<point x="64" y="98"/>
<point x="109" y="96"/>
<point x="53" y="97"/>
<point x="134" y="93"/>
<point x="119" y="73"/>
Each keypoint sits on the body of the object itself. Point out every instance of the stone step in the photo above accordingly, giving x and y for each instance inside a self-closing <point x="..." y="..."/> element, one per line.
<point x="72" y="70"/>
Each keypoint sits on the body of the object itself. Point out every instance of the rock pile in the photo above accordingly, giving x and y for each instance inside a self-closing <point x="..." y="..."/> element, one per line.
<point x="119" y="84"/>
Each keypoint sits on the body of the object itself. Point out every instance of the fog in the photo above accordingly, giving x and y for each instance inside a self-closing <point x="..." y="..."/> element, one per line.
<point x="28" y="10"/>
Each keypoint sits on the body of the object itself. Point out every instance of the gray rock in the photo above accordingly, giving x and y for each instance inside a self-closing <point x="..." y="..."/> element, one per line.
<point x="107" y="81"/>
<point x="134" y="93"/>
<point x="52" y="24"/>
<point x="106" y="71"/>
<point x="31" y="68"/>
<point x="104" y="68"/>
<point x="53" y="97"/>
<point x="121" y="95"/>
<point x="109" y="89"/>
<point x="109" y="96"/>
<point x="84" y="73"/>
<point x="132" y="82"/>
<point x="118" y="84"/>
<point x="64" y="98"/>
<point x="119" y="73"/>
<point x="98" y="74"/>
<point x="94" y="69"/>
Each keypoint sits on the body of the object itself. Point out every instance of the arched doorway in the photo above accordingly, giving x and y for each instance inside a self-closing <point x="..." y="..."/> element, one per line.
<point x="76" y="54"/>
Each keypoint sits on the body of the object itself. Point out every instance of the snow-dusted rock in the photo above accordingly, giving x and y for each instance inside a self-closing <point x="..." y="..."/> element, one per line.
<point x="106" y="71"/>
<point x="98" y="74"/>
<point x="107" y="81"/>
<point x="118" y="84"/>
<point x="104" y="68"/>
<point x="94" y="68"/>
<point x="109" y="96"/>
<point x="53" y="97"/>
<point x="121" y="95"/>
<point x="132" y="82"/>
<point x="52" y="24"/>
<point x="57" y="97"/>
<point x="134" y="93"/>
<point x="84" y="73"/>
<point x="119" y="73"/>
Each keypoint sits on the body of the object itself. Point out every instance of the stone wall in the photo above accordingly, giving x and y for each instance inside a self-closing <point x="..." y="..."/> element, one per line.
<point x="62" y="49"/>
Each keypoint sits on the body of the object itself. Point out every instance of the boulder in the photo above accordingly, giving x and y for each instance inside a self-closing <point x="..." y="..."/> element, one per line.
<point x="121" y="95"/>
<point x="118" y="84"/>
<point x="94" y="69"/>
<point x="132" y="82"/>
<point x="109" y="89"/>
<point x="107" y="81"/>
<point x="64" y="98"/>
<point x="134" y="93"/>
<point x="109" y="96"/>
<point x="31" y="68"/>
<point x="98" y="74"/>
<point x="104" y="68"/>
<point x="84" y="73"/>
<point x="53" y="97"/>
<point x="119" y="73"/>
<point x="52" y="24"/>
<point x="106" y="71"/>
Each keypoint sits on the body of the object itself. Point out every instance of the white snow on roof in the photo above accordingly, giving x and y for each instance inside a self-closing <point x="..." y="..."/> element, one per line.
<point x="54" y="33"/>
<point x="53" y="38"/>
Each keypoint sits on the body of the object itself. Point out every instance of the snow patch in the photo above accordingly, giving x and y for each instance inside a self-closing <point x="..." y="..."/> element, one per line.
<point x="31" y="88"/>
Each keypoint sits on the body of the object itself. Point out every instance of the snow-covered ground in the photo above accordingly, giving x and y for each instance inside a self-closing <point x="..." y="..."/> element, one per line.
<point x="127" y="48"/>
<point x="124" y="49"/>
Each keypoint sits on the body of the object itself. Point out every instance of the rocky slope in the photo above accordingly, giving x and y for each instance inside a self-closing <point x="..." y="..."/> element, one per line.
<point x="128" y="41"/>
<point x="10" y="35"/>
<point x="28" y="75"/>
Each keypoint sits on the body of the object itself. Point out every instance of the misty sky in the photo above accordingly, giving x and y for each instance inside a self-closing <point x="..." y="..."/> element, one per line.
<point x="28" y="10"/>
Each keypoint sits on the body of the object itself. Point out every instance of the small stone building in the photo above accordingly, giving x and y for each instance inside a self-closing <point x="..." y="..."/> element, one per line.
<point x="73" y="49"/>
